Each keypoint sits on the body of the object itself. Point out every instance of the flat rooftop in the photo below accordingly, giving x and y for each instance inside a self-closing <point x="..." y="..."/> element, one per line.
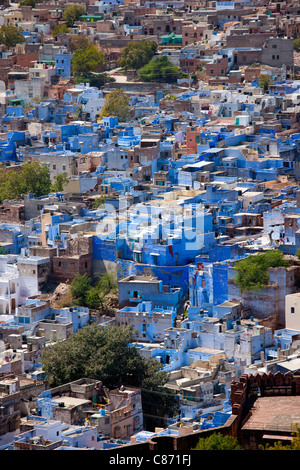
<point x="274" y="414"/>
<point x="71" y="402"/>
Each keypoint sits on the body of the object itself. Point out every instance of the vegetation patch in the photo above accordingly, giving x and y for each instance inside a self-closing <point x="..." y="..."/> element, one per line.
<point x="253" y="271"/>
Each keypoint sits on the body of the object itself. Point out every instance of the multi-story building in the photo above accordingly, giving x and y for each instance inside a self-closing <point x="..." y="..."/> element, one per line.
<point x="148" y="322"/>
<point x="136" y="289"/>
<point x="122" y="417"/>
<point x="10" y="408"/>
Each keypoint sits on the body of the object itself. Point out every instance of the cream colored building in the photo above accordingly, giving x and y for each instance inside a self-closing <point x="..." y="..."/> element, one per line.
<point x="14" y="18"/>
<point x="292" y="311"/>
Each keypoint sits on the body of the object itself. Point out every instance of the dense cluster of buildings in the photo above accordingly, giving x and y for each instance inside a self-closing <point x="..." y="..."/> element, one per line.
<point x="203" y="173"/>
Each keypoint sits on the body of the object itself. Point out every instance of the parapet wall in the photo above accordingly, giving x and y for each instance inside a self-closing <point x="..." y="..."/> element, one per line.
<point x="242" y="391"/>
<point x="251" y="386"/>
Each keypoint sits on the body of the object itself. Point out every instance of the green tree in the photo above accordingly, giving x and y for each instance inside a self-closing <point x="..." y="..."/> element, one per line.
<point x="98" y="202"/>
<point x="72" y="13"/>
<point x="79" y="42"/>
<point x="92" y="293"/>
<point x="79" y="287"/>
<point x="116" y="103"/>
<point x="104" y="285"/>
<point x="253" y="271"/>
<point x="59" y="29"/>
<point x="264" y="81"/>
<point x="106" y="354"/>
<point x="159" y="69"/>
<point x="297" y="45"/>
<point x="96" y="352"/>
<point x="107" y="282"/>
<point x="33" y="178"/>
<point x="60" y="181"/>
<point x="11" y="35"/>
<point x="92" y="298"/>
<point x="87" y="60"/>
<point x="217" y="441"/>
<point x="30" y="3"/>
<point x="137" y="54"/>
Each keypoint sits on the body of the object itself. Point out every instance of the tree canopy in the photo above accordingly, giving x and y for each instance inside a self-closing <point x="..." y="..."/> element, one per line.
<point x="87" y="59"/>
<point x="79" y="42"/>
<point x="159" y="69"/>
<point x="60" y="28"/>
<point x="217" y="441"/>
<point x="102" y="353"/>
<point x="32" y="178"/>
<point x="297" y="45"/>
<point x="91" y="293"/>
<point x="264" y="81"/>
<point x="116" y="103"/>
<point x="11" y="35"/>
<point x="105" y="353"/>
<point x="253" y="271"/>
<point x="59" y="183"/>
<point x="30" y="3"/>
<point x="137" y="54"/>
<point x="99" y="202"/>
<point x="72" y="13"/>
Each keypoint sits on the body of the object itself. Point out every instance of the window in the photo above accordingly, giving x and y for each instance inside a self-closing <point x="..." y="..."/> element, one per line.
<point x="292" y="309"/>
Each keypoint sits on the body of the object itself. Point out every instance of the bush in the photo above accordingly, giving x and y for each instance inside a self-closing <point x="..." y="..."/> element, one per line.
<point x="72" y="14"/>
<point x="253" y="271"/>
<point x="87" y="60"/>
<point x="297" y="45"/>
<point x="218" y="442"/>
<point x="116" y="103"/>
<point x="91" y="293"/>
<point x="159" y="69"/>
<point x="32" y="178"/>
<point x="137" y="54"/>
<point x="11" y="35"/>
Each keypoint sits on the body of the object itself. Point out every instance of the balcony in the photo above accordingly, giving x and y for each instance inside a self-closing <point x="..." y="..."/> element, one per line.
<point x="138" y="298"/>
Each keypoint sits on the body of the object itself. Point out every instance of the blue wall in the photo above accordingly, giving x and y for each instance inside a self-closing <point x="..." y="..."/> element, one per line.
<point x="175" y="276"/>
